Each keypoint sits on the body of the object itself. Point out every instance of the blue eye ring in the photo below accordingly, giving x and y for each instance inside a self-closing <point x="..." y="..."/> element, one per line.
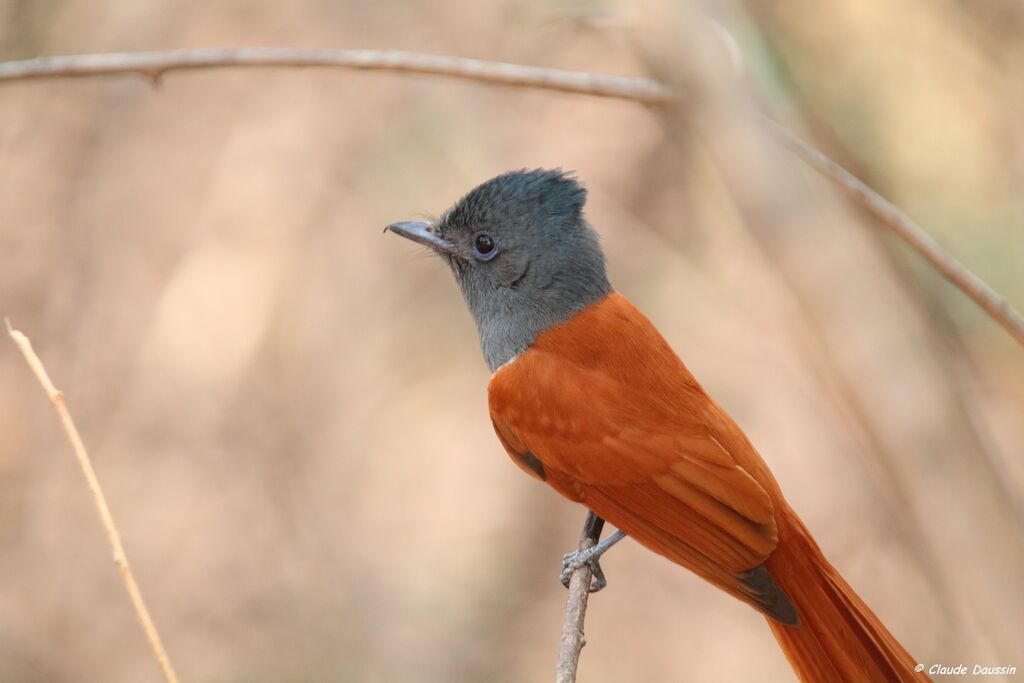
<point x="485" y="246"/>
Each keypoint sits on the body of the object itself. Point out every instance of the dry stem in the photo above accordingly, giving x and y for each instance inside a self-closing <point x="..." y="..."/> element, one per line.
<point x="120" y="559"/>
<point x="576" y="607"/>
<point x="920" y="241"/>
<point x="153" y="65"/>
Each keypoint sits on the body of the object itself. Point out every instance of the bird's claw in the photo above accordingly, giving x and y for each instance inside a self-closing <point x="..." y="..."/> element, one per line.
<point x="581" y="558"/>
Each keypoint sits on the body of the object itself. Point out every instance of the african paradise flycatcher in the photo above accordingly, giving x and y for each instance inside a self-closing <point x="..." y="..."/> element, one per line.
<point x="588" y="397"/>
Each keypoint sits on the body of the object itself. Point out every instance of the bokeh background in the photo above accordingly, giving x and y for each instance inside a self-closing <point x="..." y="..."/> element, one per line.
<point x="288" y="409"/>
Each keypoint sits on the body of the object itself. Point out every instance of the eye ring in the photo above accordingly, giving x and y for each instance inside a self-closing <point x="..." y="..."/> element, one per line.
<point x="485" y="246"/>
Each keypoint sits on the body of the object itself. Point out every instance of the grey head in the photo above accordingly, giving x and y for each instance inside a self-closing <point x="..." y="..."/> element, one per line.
<point x="522" y="253"/>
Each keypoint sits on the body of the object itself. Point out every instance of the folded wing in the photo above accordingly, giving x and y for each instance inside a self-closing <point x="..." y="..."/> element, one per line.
<point x="653" y="470"/>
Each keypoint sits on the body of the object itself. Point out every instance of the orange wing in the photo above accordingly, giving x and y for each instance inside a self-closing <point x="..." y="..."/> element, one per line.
<point x="602" y="409"/>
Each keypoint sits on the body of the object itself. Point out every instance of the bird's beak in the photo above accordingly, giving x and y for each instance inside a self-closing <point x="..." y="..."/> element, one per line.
<point x="422" y="232"/>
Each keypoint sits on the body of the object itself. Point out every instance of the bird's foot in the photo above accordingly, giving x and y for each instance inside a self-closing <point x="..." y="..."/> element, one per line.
<point x="579" y="559"/>
<point x="589" y="558"/>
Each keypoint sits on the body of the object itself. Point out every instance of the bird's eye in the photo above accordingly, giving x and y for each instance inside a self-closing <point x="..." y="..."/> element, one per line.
<point x="485" y="247"/>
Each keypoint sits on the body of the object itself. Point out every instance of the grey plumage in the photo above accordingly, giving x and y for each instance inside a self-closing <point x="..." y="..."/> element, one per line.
<point x="549" y="267"/>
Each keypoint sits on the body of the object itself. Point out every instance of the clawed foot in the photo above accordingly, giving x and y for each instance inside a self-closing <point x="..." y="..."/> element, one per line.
<point x="589" y="557"/>
<point x="581" y="558"/>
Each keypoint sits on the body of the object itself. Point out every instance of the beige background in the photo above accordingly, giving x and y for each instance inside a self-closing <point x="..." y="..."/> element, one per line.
<point x="288" y="409"/>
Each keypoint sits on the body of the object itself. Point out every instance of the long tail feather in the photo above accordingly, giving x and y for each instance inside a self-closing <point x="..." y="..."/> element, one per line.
<point x="838" y="639"/>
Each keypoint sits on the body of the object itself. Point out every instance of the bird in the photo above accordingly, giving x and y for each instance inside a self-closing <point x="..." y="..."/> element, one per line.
<point x="588" y="397"/>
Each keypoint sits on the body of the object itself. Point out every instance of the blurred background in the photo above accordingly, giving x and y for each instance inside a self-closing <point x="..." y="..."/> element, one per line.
<point x="288" y="409"/>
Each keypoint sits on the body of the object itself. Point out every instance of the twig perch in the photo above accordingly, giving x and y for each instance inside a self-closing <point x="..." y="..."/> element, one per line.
<point x="153" y="65"/>
<point x="120" y="559"/>
<point x="576" y="607"/>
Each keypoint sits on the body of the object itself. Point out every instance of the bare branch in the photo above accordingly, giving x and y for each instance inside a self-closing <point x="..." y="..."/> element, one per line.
<point x="120" y="559"/>
<point x="153" y="65"/>
<point x="576" y="606"/>
<point x="920" y="241"/>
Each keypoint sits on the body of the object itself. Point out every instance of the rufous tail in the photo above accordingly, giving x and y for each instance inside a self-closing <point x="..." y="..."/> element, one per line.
<point x="839" y="639"/>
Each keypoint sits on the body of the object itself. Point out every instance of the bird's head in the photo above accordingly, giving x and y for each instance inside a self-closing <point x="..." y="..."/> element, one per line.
<point x="522" y="253"/>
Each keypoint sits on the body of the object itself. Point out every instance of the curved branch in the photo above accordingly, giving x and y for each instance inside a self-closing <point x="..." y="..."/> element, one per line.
<point x="154" y="65"/>
<point x="56" y="397"/>
<point x="910" y="232"/>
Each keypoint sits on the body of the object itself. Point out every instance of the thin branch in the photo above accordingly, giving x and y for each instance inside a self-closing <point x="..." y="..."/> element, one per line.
<point x="120" y="559"/>
<point x="576" y="606"/>
<point x="920" y="241"/>
<point x="153" y="65"/>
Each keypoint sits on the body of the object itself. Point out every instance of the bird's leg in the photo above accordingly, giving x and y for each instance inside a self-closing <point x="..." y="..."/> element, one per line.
<point x="574" y="560"/>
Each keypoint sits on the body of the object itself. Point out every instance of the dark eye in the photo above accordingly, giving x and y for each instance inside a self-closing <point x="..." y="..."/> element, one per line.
<point x="485" y="247"/>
